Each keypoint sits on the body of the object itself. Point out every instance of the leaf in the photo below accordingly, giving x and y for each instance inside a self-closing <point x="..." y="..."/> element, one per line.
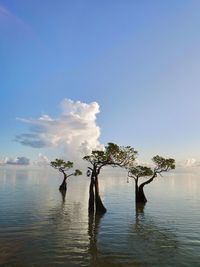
<point x="77" y="172"/>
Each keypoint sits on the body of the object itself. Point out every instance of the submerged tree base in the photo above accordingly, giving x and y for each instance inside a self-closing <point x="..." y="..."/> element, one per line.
<point x="98" y="210"/>
<point x="101" y="210"/>
<point x="141" y="200"/>
<point x="140" y="196"/>
<point x="139" y="208"/>
<point x="95" y="204"/>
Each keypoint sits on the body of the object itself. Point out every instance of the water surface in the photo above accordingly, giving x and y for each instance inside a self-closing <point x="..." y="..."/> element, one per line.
<point x="41" y="227"/>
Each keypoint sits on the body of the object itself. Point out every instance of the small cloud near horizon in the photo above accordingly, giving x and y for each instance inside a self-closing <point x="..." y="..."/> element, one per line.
<point x="42" y="160"/>
<point x="15" y="161"/>
<point x="192" y="162"/>
<point x="188" y="163"/>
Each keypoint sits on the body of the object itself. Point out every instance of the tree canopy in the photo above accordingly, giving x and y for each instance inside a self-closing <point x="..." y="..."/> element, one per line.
<point x="139" y="171"/>
<point x="64" y="166"/>
<point x="113" y="155"/>
<point x="161" y="165"/>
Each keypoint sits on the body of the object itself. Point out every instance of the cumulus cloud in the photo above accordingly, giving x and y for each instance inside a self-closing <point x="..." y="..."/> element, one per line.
<point x="16" y="161"/>
<point x="75" y="130"/>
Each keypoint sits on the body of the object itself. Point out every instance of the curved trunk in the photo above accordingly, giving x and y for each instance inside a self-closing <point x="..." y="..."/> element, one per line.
<point x="98" y="202"/>
<point x="63" y="186"/>
<point x="139" y="194"/>
<point x="139" y="190"/>
<point x="91" y="196"/>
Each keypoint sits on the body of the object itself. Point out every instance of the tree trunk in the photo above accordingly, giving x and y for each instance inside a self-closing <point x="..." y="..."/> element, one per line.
<point x="98" y="202"/>
<point x="139" y="190"/>
<point x="91" y="196"/>
<point x="63" y="186"/>
<point x="136" y="191"/>
<point x="139" y="194"/>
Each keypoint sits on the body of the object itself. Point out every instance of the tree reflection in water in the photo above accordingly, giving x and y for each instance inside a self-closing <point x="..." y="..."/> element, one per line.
<point x="152" y="240"/>
<point x="147" y="243"/>
<point x="94" y="220"/>
<point x="63" y="194"/>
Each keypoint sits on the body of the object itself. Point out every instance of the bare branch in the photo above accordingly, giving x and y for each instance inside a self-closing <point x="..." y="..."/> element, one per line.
<point x="131" y="176"/>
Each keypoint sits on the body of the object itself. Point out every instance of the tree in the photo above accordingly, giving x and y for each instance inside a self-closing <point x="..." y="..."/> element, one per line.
<point x="138" y="171"/>
<point x="64" y="166"/>
<point x="113" y="155"/>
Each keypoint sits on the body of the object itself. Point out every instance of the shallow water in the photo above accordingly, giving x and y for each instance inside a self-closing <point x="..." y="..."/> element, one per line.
<point x="40" y="227"/>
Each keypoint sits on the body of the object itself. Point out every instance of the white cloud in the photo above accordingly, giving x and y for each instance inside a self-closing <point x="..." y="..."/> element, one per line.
<point x="42" y="160"/>
<point x="188" y="163"/>
<point x="75" y="130"/>
<point x="192" y="163"/>
<point x="16" y="161"/>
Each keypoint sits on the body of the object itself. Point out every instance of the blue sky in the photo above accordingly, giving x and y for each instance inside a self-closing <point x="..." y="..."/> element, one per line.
<point x="139" y="60"/>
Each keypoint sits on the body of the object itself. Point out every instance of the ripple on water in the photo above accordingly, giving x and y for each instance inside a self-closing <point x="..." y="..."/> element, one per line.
<point x="39" y="227"/>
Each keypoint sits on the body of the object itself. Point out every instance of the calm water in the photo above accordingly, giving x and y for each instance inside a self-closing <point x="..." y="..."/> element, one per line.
<point x="39" y="227"/>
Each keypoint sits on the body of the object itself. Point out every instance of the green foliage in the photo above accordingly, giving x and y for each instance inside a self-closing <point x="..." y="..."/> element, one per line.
<point x="113" y="155"/>
<point x="77" y="172"/>
<point x="121" y="155"/>
<point x="140" y="171"/>
<point x="163" y="164"/>
<point x="61" y="164"/>
<point x="96" y="156"/>
<point x="64" y="166"/>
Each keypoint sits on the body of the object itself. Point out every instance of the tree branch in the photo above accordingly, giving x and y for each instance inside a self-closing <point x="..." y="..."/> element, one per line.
<point x="148" y="181"/>
<point x="131" y="176"/>
<point x="70" y="175"/>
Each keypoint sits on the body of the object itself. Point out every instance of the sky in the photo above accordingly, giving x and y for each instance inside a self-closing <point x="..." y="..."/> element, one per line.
<point x="75" y="75"/>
